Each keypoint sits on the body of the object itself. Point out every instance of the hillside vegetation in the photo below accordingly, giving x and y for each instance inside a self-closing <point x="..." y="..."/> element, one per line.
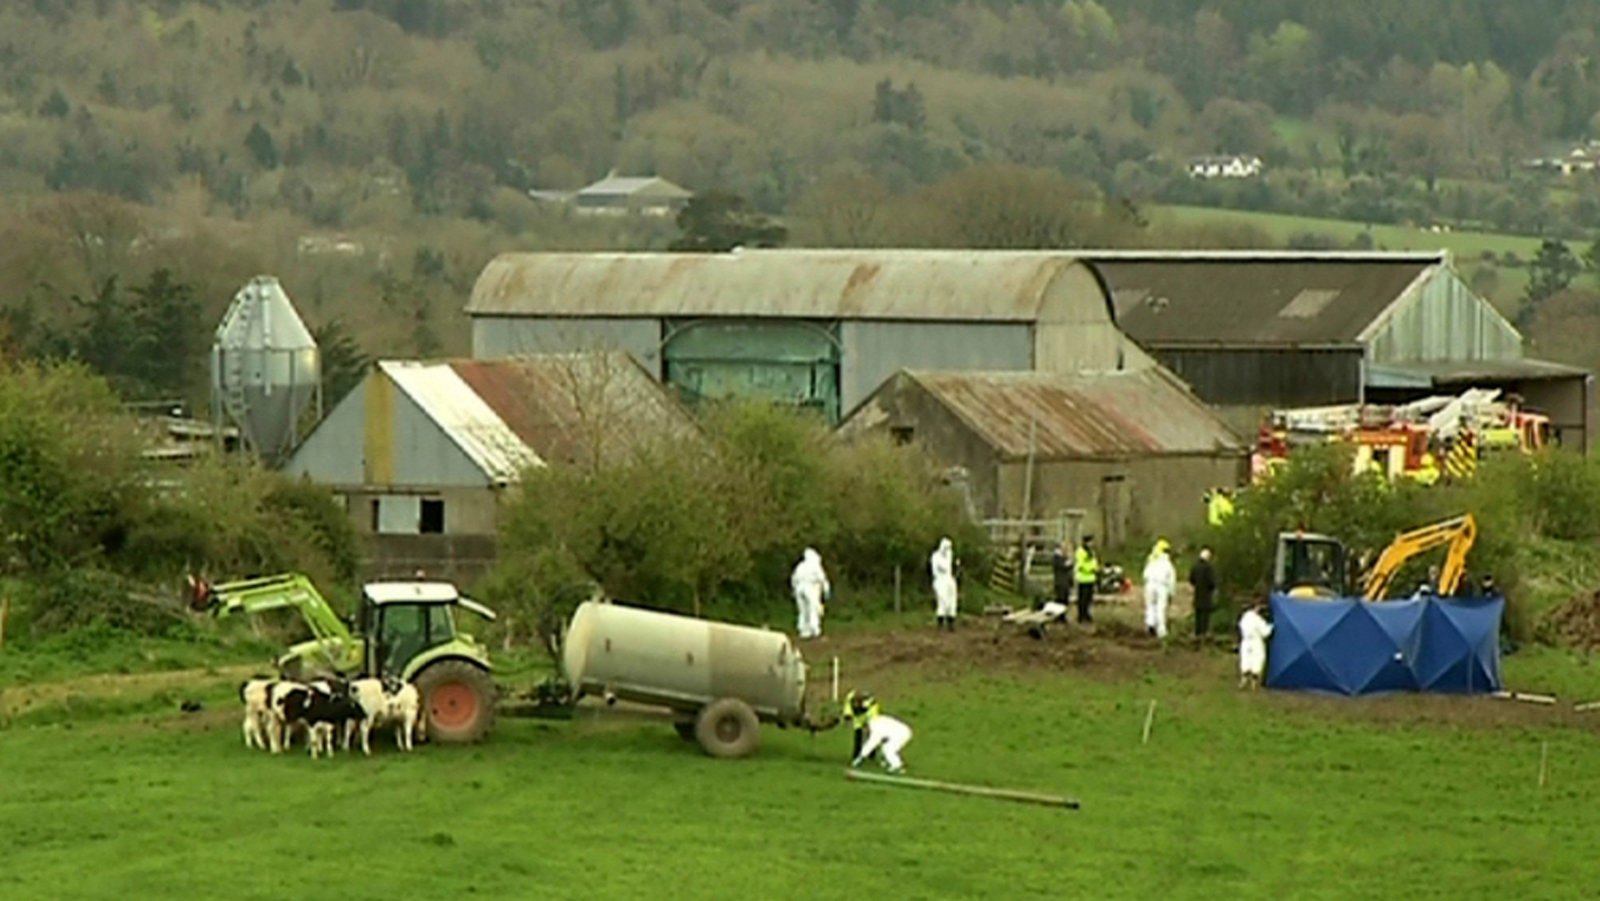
<point x="375" y="153"/>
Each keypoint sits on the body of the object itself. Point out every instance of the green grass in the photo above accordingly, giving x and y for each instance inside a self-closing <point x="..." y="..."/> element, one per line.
<point x="1465" y="245"/>
<point x="1265" y="796"/>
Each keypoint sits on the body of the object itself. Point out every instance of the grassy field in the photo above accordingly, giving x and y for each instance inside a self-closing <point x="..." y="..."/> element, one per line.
<point x="1264" y="796"/>
<point x="1466" y="246"/>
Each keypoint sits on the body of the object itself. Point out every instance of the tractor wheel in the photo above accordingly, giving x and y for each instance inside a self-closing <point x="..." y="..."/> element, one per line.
<point x="457" y="701"/>
<point x="727" y="727"/>
<point x="685" y="729"/>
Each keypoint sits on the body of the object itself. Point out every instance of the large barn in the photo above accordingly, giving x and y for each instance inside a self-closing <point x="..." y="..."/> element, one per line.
<point x="1252" y="330"/>
<point x="422" y="452"/>
<point x="818" y="328"/>
<point x="1134" y="451"/>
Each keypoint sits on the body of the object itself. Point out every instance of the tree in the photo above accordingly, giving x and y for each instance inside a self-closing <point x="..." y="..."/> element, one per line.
<point x="719" y="221"/>
<point x="1013" y="207"/>
<point x="344" y="364"/>
<point x="844" y="211"/>
<point x="1552" y="269"/>
<point x="262" y="149"/>
<point x="168" y="335"/>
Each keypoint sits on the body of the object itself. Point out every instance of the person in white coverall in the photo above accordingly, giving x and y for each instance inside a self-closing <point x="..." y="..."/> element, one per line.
<point x="1160" y="581"/>
<point x="943" y="566"/>
<point x="1254" y="630"/>
<point x="886" y="734"/>
<point x="810" y="585"/>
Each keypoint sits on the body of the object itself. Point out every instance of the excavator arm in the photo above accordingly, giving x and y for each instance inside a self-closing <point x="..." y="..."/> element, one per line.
<point x="1458" y="532"/>
<point x="266" y="593"/>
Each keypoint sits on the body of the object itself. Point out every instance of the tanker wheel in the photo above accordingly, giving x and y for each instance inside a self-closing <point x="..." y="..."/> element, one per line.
<point x="727" y="727"/>
<point x="457" y="701"/>
<point x="685" y="729"/>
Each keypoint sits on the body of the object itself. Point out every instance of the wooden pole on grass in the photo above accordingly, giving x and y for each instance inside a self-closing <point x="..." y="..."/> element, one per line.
<point x="1149" y="720"/>
<point x="1544" y="763"/>
<point x="836" y="680"/>
<point x="1007" y="794"/>
<point x="897" y="588"/>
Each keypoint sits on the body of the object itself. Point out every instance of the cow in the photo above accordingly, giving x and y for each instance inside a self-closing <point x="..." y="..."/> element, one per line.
<point x="255" y="694"/>
<point x="324" y="708"/>
<point x="385" y="701"/>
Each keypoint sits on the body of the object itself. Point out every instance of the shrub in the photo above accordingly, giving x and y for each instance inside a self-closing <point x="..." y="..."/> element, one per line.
<point x="1516" y="500"/>
<point x="718" y="525"/>
<point x="94" y="534"/>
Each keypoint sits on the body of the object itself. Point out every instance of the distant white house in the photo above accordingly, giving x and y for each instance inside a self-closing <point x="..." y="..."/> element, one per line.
<point x="1225" y="166"/>
<point x="615" y="194"/>
<point x="1584" y="158"/>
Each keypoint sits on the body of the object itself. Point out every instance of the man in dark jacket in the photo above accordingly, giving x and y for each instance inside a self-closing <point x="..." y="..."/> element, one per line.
<point x="1061" y="573"/>
<point x="1204" y="579"/>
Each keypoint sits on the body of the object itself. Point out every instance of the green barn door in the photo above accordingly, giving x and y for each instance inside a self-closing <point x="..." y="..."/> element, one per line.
<point x="786" y="362"/>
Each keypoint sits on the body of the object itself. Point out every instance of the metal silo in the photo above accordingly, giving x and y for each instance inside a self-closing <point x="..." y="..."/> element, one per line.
<point x="265" y="369"/>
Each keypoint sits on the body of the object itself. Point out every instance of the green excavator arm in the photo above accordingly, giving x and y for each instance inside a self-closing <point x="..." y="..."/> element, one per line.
<point x="284" y="591"/>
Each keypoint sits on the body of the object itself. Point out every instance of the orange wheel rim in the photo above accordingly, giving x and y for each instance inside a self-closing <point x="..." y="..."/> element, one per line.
<point x="454" y="705"/>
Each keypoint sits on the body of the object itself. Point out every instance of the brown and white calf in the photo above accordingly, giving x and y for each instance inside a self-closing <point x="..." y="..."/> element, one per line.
<point x="385" y="702"/>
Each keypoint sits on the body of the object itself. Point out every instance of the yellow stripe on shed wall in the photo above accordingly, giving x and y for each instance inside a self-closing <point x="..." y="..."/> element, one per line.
<point x="378" y="439"/>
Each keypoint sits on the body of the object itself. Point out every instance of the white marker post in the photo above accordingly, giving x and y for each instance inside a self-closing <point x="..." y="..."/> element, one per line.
<point x="836" y="679"/>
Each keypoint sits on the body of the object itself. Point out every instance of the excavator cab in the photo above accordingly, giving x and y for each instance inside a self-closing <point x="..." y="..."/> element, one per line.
<point x="1309" y="565"/>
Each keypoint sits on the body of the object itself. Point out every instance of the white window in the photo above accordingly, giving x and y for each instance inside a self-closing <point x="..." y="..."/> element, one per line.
<point x="399" y="514"/>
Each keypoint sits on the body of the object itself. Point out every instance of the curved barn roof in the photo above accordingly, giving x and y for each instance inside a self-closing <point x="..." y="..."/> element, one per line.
<point x="975" y="285"/>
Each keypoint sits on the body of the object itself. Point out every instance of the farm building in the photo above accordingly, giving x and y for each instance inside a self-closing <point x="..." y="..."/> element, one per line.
<point x="646" y="195"/>
<point x="422" y="452"/>
<point x="1252" y="330"/>
<point x="1135" y="451"/>
<point x="821" y="329"/>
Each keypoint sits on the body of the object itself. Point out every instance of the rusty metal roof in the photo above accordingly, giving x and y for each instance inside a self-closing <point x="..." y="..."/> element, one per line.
<point x="826" y="284"/>
<point x="512" y="413"/>
<point x="577" y="406"/>
<point x="463" y="416"/>
<point x="1253" y="298"/>
<point x="1085" y="415"/>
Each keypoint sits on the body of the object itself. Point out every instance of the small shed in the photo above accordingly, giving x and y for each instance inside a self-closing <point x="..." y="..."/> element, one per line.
<point x="1134" y="449"/>
<point x="422" y="452"/>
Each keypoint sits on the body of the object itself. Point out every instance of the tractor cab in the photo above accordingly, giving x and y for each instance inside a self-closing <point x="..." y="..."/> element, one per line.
<point x="406" y="624"/>
<point x="1309" y="565"/>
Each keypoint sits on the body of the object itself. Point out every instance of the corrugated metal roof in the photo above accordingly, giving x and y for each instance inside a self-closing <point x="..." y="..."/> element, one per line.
<point x="949" y="285"/>
<point x="516" y="412"/>
<point x="571" y="406"/>
<point x="1455" y="372"/>
<point x="1085" y="415"/>
<point x="465" y="417"/>
<point x="1254" y="298"/>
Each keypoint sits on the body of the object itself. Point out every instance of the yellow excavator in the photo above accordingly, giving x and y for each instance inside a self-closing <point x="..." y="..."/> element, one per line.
<point x="1309" y="565"/>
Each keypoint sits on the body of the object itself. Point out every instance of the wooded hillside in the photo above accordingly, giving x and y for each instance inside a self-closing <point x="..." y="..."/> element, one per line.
<point x="218" y="138"/>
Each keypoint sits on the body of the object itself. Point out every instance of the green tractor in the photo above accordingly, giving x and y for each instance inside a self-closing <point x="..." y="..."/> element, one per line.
<point x="407" y="630"/>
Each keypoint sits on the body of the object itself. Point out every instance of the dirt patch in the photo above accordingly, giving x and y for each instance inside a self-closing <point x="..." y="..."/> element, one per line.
<point x="1115" y="652"/>
<point x="1576" y="622"/>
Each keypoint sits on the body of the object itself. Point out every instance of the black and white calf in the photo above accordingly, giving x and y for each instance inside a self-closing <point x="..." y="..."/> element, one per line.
<point x="325" y="708"/>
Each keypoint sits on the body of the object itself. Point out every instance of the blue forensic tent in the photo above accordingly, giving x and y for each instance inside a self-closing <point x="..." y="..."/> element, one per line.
<point x="1351" y="646"/>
